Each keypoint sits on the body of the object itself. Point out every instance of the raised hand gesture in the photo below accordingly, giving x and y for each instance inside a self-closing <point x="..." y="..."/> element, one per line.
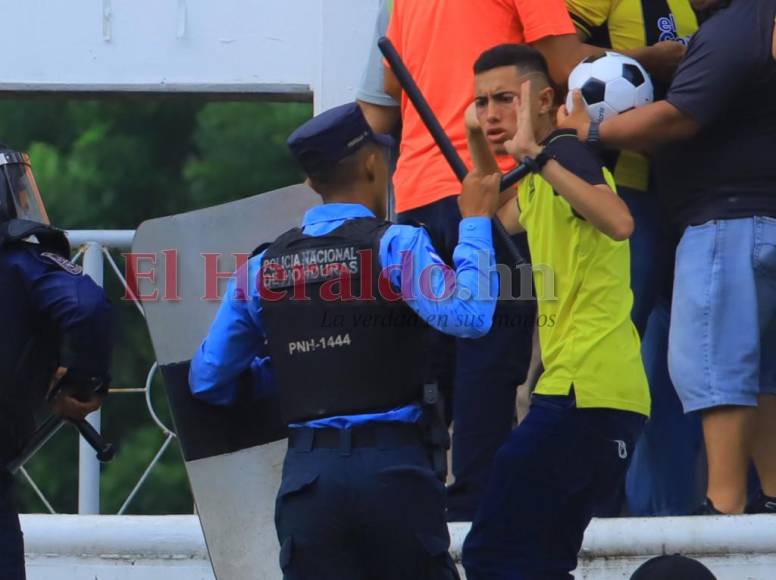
<point x="524" y="144"/>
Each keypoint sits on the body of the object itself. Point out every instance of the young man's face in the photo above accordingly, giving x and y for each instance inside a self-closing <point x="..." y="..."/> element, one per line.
<point x="495" y="95"/>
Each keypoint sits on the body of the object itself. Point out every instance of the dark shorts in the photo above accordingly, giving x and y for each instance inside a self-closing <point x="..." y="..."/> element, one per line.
<point x="546" y="482"/>
<point x="11" y="541"/>
<point x="355" y="513"/>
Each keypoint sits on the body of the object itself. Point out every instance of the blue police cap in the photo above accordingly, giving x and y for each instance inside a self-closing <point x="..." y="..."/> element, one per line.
<point x="331" y="136"/>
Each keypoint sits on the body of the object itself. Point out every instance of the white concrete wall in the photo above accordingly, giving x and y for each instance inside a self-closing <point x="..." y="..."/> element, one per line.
<point x="173" y="548"/>
<point x="115" y="548"/>
<point x="298" y="47"/>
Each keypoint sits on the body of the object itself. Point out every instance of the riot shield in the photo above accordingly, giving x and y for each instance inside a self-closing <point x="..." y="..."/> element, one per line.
<point x="233" y="455"/>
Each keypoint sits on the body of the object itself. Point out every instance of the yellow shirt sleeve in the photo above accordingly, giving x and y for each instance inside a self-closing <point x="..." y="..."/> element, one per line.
<point x="589" y="14"/>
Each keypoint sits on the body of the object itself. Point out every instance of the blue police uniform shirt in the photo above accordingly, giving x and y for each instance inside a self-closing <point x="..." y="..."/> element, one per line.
<point x="41" y="289"/>
<point x="236" y="339"/>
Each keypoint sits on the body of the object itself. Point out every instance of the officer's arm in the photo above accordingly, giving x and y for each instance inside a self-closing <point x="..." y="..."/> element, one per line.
<point x="459" y="302"/>
<point x="81" y="312"/>
<point x="233" y="345"/>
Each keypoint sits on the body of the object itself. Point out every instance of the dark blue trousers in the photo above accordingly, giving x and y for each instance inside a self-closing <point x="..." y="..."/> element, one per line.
<point x="482" y="375"/>
<point x="11" y="542"/>
<point x="546" y="482"/>
<point x="375" y="512"/>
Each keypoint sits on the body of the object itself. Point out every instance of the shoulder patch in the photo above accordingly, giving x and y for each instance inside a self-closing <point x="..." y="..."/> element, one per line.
<point x="66" y="265"/>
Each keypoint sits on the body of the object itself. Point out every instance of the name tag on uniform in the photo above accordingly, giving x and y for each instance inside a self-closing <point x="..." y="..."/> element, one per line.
<point x="312" y="266"/>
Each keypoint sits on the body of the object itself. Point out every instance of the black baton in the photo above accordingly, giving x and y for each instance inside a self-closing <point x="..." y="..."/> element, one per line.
<point x="105" y="451"/>
<point x="417" y="99"/>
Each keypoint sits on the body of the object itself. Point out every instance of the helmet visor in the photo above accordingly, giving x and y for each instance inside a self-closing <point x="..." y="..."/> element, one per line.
<point x="23" y="189"/>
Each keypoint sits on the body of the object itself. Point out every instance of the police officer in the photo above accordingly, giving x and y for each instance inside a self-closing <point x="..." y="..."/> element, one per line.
<point x="334" y="312"/>
<point x="56" y="334"/>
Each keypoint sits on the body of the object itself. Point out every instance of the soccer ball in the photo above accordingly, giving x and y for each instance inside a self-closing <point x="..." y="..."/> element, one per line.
<point x="611" y="83"/>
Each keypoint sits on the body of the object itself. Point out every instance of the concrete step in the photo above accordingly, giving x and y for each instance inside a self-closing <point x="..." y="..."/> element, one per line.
<point x="67" y="547"/>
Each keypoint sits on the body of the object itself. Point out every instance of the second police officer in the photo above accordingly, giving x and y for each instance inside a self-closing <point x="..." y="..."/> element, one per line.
<point x="56" y="341"/>
<point x="334" y="312"/>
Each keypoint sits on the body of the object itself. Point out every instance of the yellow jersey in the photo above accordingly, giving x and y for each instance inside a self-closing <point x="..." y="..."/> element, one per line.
<point x="626" y="25"/>
<point x="582" y="281"/>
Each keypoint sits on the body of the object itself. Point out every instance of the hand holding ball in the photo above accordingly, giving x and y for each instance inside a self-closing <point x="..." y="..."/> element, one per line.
<point x="611" y="84"/>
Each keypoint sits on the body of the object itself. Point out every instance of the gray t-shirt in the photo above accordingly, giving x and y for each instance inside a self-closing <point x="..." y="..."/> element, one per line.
<point x="727" y="83"/>
<point x="371" y="88"/>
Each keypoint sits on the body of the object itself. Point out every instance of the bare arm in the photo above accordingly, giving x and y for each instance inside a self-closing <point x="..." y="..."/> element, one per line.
<point x="661" y="59"/>
<point x="643" y="129"/>
<point x="563" y="53"/>
<point x="392" y="85"/>
<point x="598" y="204"/>
<point x="382" y="119"/>
<point x="773" y="46"/>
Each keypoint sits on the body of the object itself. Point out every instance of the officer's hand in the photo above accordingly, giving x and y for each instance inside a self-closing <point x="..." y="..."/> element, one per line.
<point x="471" y="120"/>
<point x="55" y="380"/>
<point x="480" y="195"/>
<point x="70" y="407"/>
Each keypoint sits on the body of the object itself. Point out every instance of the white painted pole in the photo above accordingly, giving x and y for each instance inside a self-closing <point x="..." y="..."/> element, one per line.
<point x="88" y="466"/>
<point x="115" y="239"/>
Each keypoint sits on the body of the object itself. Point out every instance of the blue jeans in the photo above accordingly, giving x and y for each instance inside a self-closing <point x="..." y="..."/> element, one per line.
<point x="723" y="332"/>
<point x="11" y="540"/>
<point x="487" y="370"/>
<point x="546" y="481"/>
<point x="663" y="478"/>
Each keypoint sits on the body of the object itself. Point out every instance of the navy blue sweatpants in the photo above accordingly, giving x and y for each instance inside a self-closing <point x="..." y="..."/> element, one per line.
<point x="546" y="482"/>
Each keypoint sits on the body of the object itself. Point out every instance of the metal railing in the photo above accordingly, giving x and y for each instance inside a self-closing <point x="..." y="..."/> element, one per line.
<point x="92" y="248"/>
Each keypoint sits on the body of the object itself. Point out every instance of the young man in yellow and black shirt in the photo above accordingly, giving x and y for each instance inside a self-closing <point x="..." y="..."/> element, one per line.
<point x="572" y="450"/>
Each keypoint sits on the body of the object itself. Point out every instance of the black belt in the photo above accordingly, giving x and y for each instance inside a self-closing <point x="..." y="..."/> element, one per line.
<point x="379" y="435"/>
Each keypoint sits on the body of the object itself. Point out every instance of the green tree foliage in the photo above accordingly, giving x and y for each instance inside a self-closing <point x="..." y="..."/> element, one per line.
<point x="111" y="164"/>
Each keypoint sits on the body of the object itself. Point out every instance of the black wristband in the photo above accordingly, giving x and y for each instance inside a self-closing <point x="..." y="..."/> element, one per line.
<point x="531" y="164"/>
<point x="536" y="164"/>
<point x="542" y="159"/>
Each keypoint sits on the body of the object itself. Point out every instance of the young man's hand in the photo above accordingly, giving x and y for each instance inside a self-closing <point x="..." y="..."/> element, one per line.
<point x="579" y="120"/>
<point x="524" y="144"/>
<point x="480" y="195"/>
